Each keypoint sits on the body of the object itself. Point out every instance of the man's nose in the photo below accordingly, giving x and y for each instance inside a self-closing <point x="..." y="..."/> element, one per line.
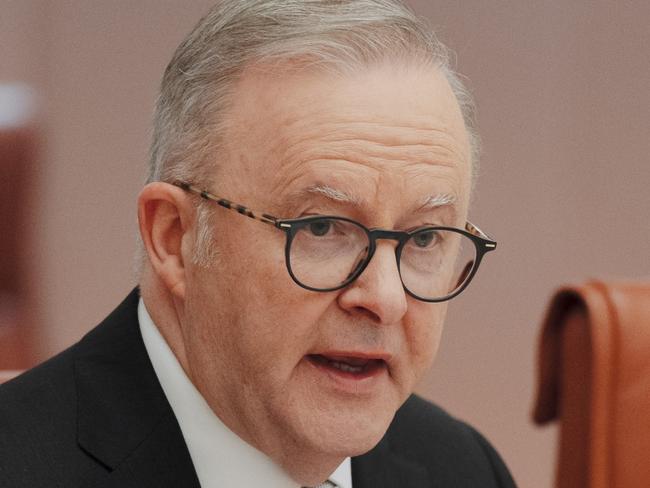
<point x="378" y="292"/>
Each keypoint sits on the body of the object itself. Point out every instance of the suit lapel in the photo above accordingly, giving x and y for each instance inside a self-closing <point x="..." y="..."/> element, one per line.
<point x="157" y="462"/>
<point x="124" y="420"/>
<point x="384" y="468"/>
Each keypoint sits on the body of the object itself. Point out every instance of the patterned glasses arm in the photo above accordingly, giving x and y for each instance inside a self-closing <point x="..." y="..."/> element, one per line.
<point x="253" y="214"/>
<point x="474" y="230"/>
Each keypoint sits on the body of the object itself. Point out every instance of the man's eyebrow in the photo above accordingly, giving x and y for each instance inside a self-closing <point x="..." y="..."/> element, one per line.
<point x="296" y="198"/>
<point x="333" y="194"/>
<point x="436" y="201"/>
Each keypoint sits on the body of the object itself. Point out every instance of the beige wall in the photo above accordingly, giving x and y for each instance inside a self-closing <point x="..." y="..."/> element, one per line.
<point x="562" y="89"/>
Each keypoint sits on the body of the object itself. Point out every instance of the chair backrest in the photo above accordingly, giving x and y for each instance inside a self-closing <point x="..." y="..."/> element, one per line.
<point x="6" y="375"/>
<point x="594" y="378"/>
<point x="18" y="156"/>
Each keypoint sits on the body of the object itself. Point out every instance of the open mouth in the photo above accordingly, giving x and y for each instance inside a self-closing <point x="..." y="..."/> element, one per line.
<point x="349" y="366"/>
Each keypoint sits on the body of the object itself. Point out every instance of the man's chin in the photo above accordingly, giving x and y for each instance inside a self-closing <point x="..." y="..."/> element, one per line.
<point x="351" y="436"/>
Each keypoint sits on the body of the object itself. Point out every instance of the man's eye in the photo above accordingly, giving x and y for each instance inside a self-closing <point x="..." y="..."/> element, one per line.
<point x="320" y="228"/>
<point x="425" y="239"/>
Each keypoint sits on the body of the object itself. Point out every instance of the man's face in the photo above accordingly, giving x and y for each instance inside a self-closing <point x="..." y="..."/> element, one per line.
<point x="374" y="147"/>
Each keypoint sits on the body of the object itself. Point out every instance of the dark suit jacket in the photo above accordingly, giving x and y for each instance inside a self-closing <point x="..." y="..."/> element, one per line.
<point x="95" y="416"/>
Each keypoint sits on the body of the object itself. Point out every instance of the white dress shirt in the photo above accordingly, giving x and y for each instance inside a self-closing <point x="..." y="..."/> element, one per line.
<point x="221" y="458"/>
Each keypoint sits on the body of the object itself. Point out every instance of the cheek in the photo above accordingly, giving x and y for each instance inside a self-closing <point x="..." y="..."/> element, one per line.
<point x="253" y="318"/>
<point x="282" y="322"/>
<point x="423" y="335"/>
<point x="277" y="321"/>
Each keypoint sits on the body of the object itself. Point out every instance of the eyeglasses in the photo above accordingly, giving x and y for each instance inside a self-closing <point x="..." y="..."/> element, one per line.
<point x="326" y="253"/>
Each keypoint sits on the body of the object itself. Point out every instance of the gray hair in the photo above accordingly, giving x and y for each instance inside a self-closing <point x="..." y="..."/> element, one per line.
<point x="196" y="89"/>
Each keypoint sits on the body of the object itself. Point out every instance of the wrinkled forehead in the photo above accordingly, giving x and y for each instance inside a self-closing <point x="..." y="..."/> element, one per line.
<point x="383" y="132"/>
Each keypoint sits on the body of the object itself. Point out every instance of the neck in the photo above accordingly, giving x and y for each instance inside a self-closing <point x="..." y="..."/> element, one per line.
<point x="165" y="312"/>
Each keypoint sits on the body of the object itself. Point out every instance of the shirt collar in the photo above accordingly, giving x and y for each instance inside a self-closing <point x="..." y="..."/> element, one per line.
<point x="342" y="476"/>
<point x="220" y="457"/>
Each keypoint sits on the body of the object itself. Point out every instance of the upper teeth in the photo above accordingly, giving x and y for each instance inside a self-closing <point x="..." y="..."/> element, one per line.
<point x="346" y="367"/>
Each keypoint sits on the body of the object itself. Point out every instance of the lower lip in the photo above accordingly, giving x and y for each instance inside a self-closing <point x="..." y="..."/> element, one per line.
<point x="362" y="382"/>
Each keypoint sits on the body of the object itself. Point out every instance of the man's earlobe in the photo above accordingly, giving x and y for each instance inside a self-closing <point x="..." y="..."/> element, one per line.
<point x="165" y="217"/>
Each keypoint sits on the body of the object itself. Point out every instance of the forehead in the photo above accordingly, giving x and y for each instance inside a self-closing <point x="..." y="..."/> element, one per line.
<point x="384" y="135"/>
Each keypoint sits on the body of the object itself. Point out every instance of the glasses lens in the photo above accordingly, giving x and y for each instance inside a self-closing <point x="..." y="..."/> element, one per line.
<point x="435" y="263"/>
<point x="326" y="252"/>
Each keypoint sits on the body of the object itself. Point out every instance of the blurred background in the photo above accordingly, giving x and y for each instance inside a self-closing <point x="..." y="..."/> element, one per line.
<point x="563" y="90"/>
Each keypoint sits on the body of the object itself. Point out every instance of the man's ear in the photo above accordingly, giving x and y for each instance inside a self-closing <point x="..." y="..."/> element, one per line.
<point x="166" y="217"/>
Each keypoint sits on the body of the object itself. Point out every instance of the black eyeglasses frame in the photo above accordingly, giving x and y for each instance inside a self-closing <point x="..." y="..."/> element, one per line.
<point x="482" y="242"/>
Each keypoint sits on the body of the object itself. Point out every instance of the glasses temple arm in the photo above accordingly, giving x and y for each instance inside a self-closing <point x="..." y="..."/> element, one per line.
<point x="253" y="214"/>
<point x="472" y="229"/>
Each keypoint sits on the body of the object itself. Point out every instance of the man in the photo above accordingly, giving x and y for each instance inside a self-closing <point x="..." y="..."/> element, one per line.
<point x="274" y="346"/>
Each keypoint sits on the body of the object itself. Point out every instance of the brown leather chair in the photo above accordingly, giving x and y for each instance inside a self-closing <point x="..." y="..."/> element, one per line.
<point x="594" y="379"/>
<point x="8" y="374"/>
<point x="18" y="164"/>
